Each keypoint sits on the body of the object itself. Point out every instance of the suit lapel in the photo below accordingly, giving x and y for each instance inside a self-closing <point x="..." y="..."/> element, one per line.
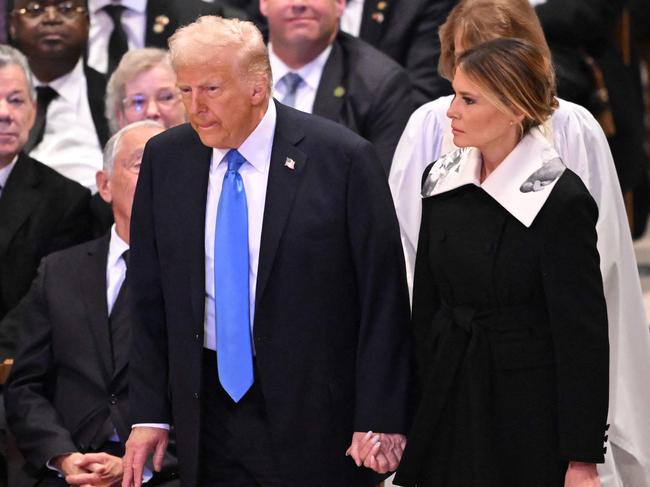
<point x="331" y="92"/>
<point x="197" y="159"/>
<point x="92" y="289"/>
<point x="96" y="83"/>
<point x="280" y="192"/>
<point x="19" y="198"/>
<point x="374" y="20"/>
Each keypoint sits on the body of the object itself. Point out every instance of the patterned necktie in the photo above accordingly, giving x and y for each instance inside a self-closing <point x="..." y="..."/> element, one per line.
<point x="234" y="347"/>
<point x="292" y="82"/>
<point x="44" y="96"/>
<point x="118" y="43"/>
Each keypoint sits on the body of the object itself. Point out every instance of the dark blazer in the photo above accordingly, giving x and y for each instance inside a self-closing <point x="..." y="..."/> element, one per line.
<point x="367" y="92"/>
<point x="331" y="317"/>
<point x="40" y="212"/>
<point x="96" y="83"/>
<point x="165" y="16"/>
<point x="64" y="384"/>
<point x="512" y="349"/>
<point x="407" y="31"/>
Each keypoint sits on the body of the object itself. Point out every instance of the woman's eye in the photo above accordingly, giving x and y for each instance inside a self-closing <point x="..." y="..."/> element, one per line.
<point x="468" y="100"/>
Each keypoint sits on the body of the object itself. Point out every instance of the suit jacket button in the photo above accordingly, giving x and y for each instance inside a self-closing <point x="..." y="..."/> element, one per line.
<point x="197" y="336"/>
<point x="196" y="395"/>
<point x="113" y="399"/>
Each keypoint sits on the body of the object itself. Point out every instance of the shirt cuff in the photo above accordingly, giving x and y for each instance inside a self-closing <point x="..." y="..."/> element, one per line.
<point x="163" y="426"/>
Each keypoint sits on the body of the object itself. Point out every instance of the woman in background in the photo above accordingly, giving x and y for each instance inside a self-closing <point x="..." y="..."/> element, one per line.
<point x="509" y="315"/>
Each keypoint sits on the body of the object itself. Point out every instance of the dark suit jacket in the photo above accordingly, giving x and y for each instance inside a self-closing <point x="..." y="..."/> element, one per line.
<point x="63" y="386"/>
<point x="367" y="92"/>
<point x="96" y="83"/>
<point x="165" y="16"/>
<point x="40" y="211"/>
<point x="332" y="310"/>
<point x="407" y="31"/>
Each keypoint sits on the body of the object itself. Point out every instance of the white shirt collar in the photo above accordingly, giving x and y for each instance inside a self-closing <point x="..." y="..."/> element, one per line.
<point x="116" y="248"/>
<point x="6" y="171"/>
<point x="70" y="85"/>
<point x="136" y="5"/>
<point x="257" y="147"/>
<point x="310" y="72"/>
<point x="521" y="183"/>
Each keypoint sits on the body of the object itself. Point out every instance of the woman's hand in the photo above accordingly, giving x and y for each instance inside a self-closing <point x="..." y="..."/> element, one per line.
<point x="581" y="475"/>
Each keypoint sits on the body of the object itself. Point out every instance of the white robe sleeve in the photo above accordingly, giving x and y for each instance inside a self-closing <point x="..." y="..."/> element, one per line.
<point x="419" y="146"/>
<point x="583" y="147"/>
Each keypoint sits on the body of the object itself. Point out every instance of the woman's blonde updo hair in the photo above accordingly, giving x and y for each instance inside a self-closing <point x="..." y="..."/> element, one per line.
<point x="514" y="75"/>
<point x="478" y="21"/>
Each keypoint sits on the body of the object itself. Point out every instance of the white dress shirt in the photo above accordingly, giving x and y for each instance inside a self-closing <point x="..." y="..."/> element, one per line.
<point x="134" y="23"/>
<point x="256" y="149"/>
<point x="115" y="268"/>
<point x="583" y="147"/>
<point x="351" y="18"/>
<point x="70" y="144"/>
<point x="4" y="174"/>
<point x="310" y="73"/>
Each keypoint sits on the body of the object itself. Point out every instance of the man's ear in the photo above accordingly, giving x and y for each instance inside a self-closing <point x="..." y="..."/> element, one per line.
<point x="103" y="182"/>
<point x="263" y="7"/>
<point x="259" y="88"/>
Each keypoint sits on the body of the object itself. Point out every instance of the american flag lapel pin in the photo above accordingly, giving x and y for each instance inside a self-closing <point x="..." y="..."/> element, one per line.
<point x="290" y="163"/>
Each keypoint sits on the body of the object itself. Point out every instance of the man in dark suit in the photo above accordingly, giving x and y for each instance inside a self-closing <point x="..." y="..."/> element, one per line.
<point x="71" y="127"/>
<point x="320" y="70"/>
<point x="40" y="210"/>
<point x="268" y="236"/>
<point x="407" y="31"/>
<point x="141" y="23"/>
<point x="67" y="395"/>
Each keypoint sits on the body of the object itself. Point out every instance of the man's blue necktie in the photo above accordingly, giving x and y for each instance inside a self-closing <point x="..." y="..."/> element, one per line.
<point x="234" y="347"/>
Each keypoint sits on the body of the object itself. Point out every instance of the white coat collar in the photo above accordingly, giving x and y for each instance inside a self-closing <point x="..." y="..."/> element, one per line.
<point x="521" y="183"/>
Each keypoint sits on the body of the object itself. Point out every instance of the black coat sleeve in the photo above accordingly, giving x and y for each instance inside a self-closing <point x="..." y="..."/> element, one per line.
<point x="578" y="316"/>
<point x="31" y="415"/>
<point x="148" y="368"/>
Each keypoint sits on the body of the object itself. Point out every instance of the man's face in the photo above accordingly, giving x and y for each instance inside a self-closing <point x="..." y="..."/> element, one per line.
<point x="50" y="28"/>
<point x="17" y="112"/>
<point x="299" y="22"/>
<point x="220" y="99"/>
<point x="118" y="188"/>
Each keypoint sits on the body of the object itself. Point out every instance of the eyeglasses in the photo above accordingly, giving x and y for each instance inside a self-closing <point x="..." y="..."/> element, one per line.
<point x="138" y="103"/>
<point x="34" y="10"/>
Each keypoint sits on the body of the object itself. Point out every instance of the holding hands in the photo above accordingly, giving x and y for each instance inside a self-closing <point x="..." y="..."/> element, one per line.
<point x="380" y="452"/>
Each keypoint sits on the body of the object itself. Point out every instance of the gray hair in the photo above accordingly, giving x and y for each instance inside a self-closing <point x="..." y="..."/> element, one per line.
<point x="113" y="144"/>
<point x="11" y="56"/>
<point x="195" y="43"/>
<point x="133" y="63"/>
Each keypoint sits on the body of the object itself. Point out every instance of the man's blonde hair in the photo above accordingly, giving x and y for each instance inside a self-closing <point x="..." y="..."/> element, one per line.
<point x="195" y="44"/>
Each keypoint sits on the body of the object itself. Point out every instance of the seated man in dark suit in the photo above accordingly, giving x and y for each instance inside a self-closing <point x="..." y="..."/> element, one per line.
<point x="40" y="210"/>
<point x="70" y="128"/>
<point x="407" y="31"/>
<point x="320" y="70"/>
<point x="66" y="397"/>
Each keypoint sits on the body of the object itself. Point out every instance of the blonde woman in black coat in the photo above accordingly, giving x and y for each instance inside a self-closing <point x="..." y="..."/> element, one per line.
<point x="508" y="309"/>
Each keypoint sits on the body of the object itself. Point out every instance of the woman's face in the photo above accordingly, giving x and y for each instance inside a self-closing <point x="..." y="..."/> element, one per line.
<point x="152" y="95"/>
<point x="476" y="121"/>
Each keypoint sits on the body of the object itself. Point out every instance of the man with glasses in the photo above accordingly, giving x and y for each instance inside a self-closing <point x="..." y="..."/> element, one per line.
<point x="70" y="128"/>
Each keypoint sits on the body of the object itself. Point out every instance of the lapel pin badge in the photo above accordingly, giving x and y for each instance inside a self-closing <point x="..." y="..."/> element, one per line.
<point x="378" y="17"/>
<point x="160" y="23"/>
<point x="382" y="5"/>
<point x="290" y="163"/>
<point x="339" y="92"/>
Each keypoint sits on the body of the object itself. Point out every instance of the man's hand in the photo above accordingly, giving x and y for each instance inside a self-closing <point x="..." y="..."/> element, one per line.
<point x="100" y="470"/>
<point x="142" y="441"/>
<point x="381" y="452"/>
<point x="581" y="475"/>
<point x="67" y="464"/>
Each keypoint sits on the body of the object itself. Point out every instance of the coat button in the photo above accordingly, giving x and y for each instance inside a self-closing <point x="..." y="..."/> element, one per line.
<point x="197" y="336"/>
<point x="113" y="400"/>
<point x="196" y="395"/>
